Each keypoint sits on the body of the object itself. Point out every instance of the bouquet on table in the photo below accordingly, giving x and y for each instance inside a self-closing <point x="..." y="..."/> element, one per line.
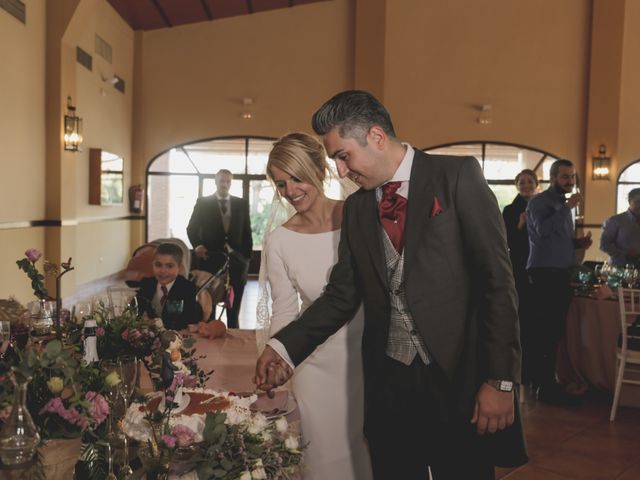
<point x="136" y="336"/>
<point x="228" y="442"/>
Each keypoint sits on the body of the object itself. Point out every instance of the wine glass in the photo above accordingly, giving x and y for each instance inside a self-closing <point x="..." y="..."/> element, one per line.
<point x="112" y="394"/>
<point x="121" y="299"/>
<point x="5" y="336"/>
<point x="128" y="371"/>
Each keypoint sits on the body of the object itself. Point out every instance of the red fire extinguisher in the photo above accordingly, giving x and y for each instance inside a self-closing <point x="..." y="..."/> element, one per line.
<point x="136" y="198"/>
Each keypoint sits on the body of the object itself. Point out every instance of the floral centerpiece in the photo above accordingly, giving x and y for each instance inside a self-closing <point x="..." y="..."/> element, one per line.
<point x="132" y="334"/>
<point x="64" y="395"/>
<point x="229" y="444"/>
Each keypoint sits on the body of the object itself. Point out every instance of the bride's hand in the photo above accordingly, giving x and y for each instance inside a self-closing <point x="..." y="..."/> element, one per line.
<point x="271" y="370"/>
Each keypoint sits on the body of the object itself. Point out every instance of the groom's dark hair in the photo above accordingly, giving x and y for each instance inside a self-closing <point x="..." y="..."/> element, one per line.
<point x="354" y="112"/>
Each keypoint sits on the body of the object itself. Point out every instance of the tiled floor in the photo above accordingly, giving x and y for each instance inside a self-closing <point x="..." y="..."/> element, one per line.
<point x="579" y="442"/>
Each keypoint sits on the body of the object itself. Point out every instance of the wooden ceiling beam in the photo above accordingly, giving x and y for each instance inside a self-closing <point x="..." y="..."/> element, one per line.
<point x="207" y="9"/>
<point x="162" y="13"/>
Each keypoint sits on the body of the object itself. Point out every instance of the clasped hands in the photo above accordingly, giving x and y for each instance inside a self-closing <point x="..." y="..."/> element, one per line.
<point x="271" y="371"/>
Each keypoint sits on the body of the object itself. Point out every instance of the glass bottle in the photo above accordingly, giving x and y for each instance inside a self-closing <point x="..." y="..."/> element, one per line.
<point x="19" y="437"/>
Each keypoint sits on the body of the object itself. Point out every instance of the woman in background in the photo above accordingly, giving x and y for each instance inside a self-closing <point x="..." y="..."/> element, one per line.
<point x="515" y="220"/>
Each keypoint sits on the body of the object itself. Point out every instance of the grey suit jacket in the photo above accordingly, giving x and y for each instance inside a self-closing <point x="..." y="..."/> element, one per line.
<point x="458" y="280"/>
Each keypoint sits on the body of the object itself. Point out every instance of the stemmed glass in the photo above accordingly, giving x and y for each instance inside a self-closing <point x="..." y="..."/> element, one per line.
<point x="120" y="299"/>
<point x="5" y="337"/>
<point x="128" y="371"/>
<point x="113" y="393"/>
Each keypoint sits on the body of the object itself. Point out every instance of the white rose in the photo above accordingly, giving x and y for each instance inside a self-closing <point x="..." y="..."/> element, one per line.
<point x="258" y="473"/>
<point x="258" y="424"/>
<point x="266" y="436"/>
<point x="282" y="425"/>
<point x="245" y="475"/>
<point x="291" y="443"/>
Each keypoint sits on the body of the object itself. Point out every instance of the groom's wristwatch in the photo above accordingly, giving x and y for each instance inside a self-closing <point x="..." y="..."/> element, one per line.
<point x="501" y="385"/>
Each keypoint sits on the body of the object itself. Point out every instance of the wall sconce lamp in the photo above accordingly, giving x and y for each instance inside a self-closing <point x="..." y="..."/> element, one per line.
<point x="72" y="129"/>
<point x="601" y="164"/>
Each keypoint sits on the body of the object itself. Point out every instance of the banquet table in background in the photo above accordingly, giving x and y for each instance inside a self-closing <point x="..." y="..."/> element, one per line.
<point x="587" y="355"/>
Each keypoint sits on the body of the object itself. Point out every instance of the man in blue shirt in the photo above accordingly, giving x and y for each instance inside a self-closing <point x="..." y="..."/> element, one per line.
<point x="552" y="254"/>
<point x="621" y="234"/>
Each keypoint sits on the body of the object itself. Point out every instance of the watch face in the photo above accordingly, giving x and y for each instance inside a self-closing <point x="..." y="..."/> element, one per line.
<point x="505" y="385"/>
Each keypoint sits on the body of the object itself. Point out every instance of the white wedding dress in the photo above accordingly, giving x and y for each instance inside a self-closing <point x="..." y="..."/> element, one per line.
<point x="328" y="385"/>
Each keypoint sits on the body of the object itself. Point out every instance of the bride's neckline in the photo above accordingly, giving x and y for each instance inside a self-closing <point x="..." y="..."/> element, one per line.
<point x="306" y="233"/>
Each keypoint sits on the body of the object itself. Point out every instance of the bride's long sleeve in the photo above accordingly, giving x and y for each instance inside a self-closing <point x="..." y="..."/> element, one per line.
<point x="286" y="304"/>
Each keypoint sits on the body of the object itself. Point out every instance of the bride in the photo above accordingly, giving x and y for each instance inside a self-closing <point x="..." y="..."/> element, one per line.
<point x="299" y="254"/>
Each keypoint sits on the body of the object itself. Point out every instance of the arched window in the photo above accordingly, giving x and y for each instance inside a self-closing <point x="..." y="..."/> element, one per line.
<point x="501" y="162"/>
<point x="178" y="176"/>
<point x="628" y="179"/>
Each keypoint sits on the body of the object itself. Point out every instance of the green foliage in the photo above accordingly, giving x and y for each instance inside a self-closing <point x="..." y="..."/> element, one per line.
<point x="37" y="279"/>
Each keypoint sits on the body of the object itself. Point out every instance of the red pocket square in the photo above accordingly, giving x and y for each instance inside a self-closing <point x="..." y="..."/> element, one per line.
<point x="436" y="208"/>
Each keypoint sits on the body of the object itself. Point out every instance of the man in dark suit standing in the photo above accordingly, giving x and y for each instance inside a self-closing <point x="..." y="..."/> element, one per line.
<point x="423" y="246"/>
<point x="221" y="223"/>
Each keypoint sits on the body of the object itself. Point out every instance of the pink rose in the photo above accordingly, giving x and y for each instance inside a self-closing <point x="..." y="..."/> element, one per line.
<point x="169" y="440"/>
<point x="184" y="435"/>
<point x="100" y="331"/>
<point x="33" y="255"/>
<point x="125" y="335"/>
<point x="134" y="335"/>
<point x="99" y="407"/>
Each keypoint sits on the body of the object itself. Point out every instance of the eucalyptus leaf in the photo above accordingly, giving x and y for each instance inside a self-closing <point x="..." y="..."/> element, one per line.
<point x="53" y="348"/>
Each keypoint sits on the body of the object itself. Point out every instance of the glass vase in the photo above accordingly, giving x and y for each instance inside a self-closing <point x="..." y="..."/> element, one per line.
<point x="19" y="437"/>
<point x="155" y="464"/>
<point x="42" y="318"/>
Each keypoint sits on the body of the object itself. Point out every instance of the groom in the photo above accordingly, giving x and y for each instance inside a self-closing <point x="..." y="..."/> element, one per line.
<point x="423" y="246"/>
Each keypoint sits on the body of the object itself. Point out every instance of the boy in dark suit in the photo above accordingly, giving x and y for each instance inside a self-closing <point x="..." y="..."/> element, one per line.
<point x="167" y="294"/>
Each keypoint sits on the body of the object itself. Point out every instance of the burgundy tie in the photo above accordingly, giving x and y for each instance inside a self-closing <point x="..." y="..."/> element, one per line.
<point x="165" y="292"/>
<point x="393" y="213"/>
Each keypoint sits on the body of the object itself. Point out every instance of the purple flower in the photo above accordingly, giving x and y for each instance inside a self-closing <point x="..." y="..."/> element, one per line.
<point x="169" y="440"/>
<point x="33" y="255"/>
<point x="183" y="434"/>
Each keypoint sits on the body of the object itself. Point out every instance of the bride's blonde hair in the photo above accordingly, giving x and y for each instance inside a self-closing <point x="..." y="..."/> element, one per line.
<point x="302" y="156"/>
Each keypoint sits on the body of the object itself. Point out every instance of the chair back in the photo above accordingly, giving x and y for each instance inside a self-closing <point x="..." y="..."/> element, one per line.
<point x="629" y="303"/>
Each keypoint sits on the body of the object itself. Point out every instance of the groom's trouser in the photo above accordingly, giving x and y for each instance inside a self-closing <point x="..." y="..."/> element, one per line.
<point x="407" y="431"/>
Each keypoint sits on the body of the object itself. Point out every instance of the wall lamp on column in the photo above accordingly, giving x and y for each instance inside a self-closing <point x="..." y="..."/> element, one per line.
<point x="601" y="164"/>
<point x="72" y="128"/>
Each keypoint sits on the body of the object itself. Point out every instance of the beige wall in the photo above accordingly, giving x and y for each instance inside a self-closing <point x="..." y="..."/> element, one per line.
<point x="99" y="248"/>
<point x="193" y="77"/>
<point x="529" y="60"/>
<point x="22" y="125"/>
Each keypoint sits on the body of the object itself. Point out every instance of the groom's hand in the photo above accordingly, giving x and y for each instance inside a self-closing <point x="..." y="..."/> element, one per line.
<point x="493" y="410"/>
<point x="271" y="371"/>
